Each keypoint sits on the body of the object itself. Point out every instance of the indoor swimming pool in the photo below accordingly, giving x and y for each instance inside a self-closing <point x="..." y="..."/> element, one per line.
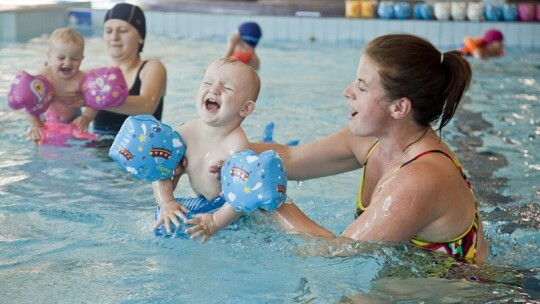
<point x="76" y="228"/>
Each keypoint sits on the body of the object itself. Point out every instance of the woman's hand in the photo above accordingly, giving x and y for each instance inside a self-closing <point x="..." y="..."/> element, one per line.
<point x="169" y="212"/>
<point x="181" y="169"/>
<point x="71" y="99"/>
<point x="216" y="169"/>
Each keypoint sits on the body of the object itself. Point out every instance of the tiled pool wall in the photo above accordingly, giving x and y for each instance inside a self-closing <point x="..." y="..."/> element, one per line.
<point x="19" y="26"/>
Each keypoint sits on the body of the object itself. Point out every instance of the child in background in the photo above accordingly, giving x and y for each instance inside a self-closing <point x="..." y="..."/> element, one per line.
<point x="488" y="46"/>
<point x="242" y="44"/>
<point x="65" y="54"/>
<point x="225" y="98"/>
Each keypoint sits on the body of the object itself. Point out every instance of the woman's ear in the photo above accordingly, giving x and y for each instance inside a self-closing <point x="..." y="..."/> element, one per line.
<point x="400" y="107"/>
<point x="248" y="108"/>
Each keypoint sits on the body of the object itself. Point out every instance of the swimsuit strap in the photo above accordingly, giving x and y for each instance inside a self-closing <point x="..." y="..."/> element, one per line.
<point x="136" y="87"/>
<point x="370" y="151"/>
<point x="359" y="206"/>
<point x="453" y="159"/>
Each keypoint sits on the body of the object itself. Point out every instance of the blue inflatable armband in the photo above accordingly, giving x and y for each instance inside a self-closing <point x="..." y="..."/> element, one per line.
<point x="147" y="148"/>
<point x="250" y="181"/>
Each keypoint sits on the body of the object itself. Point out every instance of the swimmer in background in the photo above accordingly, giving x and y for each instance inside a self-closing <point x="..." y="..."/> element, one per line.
<point x="242" y="43"/>
<point x="65" y="54"/>
<point x="226" y="96"/>
<point x="489" y="46"/>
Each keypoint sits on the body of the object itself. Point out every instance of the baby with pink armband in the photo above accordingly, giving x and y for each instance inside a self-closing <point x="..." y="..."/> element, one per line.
<point x="101" y="88"/>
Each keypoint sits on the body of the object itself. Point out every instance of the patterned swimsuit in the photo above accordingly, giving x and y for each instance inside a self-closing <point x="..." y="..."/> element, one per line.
<point x="463" y="246"/>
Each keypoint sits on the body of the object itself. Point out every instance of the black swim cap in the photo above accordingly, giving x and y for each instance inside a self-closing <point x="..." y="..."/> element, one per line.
<point x="131" y="14"/>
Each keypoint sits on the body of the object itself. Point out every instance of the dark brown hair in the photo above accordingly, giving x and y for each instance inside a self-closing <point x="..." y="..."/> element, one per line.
<point x="410" y="66"/>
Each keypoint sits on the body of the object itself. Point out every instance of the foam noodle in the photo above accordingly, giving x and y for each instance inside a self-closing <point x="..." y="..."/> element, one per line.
<point x="33" y="93"/>
<point x="104" y="87"/>
<point x="147" y="148"/>
<point x="250" y="181"/>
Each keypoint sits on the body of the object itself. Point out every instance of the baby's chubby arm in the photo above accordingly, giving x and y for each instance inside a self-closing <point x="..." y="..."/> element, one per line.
<point x="170" y="208"/>
<point x="35" y="131"/>
<point x="207" y="224"/>
<point x="249" y="182"/>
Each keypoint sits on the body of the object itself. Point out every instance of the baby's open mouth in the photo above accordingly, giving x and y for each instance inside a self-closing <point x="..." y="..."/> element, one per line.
<point x="211" y="104"/>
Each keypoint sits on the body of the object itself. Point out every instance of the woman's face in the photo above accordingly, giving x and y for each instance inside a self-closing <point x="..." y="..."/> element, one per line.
<point x="366" y="98"/>
<point x="121" y="38"/>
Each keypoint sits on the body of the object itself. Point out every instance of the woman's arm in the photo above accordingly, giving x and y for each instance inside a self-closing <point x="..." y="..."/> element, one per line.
<point x="337" y="153"/>
<point x="153" y="86"/>
<point x="289" y="217"/>
<point x="231" y="44"/>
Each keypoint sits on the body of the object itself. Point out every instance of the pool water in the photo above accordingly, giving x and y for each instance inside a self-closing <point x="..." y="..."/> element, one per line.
<point x="75" y="228"/>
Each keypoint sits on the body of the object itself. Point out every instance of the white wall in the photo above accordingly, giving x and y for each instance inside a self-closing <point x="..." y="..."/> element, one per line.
<point x="23" y="25"/>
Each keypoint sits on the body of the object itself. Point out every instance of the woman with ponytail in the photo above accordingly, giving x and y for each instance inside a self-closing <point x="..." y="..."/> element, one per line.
<point x="413" y="188"/>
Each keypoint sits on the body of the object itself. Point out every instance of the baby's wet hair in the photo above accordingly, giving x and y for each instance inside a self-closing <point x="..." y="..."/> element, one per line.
<point x="67" y="35"/>
<point x="254" y="76"/>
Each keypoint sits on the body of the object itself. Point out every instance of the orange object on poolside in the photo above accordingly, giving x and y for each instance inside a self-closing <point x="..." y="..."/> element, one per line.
<point x="352" y="8"/>
<point x="470" y="44"/>
<point x="367" y="8"/>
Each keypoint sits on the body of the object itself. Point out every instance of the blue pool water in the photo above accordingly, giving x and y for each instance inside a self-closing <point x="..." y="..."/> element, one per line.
<point x="75" y="228"/>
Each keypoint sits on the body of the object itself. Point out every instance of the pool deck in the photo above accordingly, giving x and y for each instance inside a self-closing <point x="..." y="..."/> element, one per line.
<point x="322" y="8"/>
<point x="303" y="21"/>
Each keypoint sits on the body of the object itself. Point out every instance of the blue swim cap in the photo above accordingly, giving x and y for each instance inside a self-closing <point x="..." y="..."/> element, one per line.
<point x="250" y="33"/>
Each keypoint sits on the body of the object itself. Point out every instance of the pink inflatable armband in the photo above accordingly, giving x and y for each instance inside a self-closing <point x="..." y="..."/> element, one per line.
<point x="104" y="87"/>
<point x="34" y="93"/>
<point x="57" y="133"/>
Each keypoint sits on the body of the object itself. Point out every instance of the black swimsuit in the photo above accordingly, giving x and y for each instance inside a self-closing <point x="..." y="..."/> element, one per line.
<point x="109" y="123"/>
